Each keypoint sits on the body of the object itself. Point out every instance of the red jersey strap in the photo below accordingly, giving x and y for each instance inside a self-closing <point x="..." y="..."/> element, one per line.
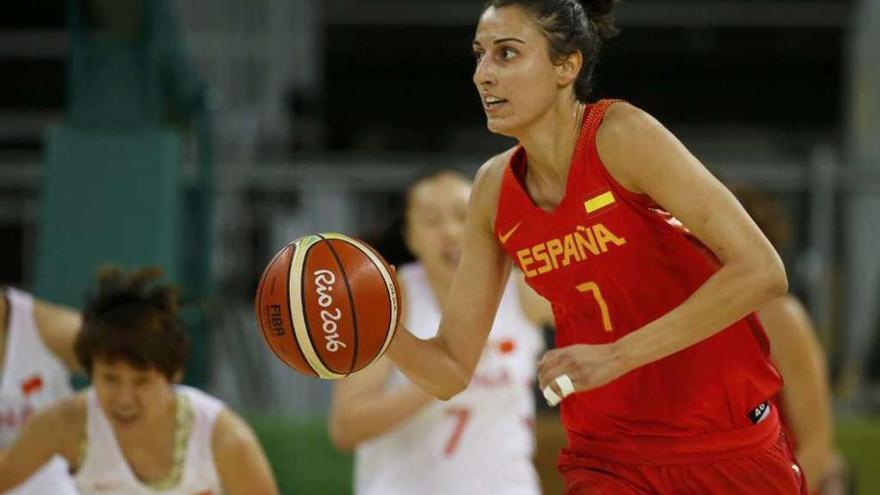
<point x="593" y="120"/>
<point x="594" y="164"/>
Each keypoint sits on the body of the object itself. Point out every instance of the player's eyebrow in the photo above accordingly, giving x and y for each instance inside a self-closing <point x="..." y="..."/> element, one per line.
<point x="502" y="40"/>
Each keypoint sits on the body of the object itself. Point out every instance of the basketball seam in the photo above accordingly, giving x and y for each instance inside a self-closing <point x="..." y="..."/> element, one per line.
<point x="354" y="324"/>
<point x="302" y="295"/>
<point x="290" y="315"/>
<point x="317" y="364"/>
<point x="259" y="308"/>
<point x="390" y="287"/>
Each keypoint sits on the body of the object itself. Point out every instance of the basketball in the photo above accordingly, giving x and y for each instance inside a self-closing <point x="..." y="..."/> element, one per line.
<point x="327" y="305"/>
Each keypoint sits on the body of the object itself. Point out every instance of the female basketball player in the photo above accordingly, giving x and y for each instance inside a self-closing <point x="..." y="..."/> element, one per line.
<point x="133" y="431"/>
<point x="36" y="354"/>
<point x="805" y="400"/>
<point x="407" y="441"/>
<point x="663" y="369"/>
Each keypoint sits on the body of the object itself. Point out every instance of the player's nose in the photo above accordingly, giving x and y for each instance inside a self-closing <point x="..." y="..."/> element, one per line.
<point x="484" y="73"/>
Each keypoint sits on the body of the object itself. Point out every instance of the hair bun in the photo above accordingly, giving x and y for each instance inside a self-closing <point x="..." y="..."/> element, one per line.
<point x="601" y="12"/>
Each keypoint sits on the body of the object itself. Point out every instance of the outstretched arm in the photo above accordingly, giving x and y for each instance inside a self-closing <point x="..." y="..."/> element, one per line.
<point x="444" y="364"/>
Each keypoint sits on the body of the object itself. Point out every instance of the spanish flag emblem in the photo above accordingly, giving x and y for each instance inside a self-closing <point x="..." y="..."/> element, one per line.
<point x="596" y="203"/>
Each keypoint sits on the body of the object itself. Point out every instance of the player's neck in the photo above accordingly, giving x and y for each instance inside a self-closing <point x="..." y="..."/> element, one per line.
<point x="550" y="143"/>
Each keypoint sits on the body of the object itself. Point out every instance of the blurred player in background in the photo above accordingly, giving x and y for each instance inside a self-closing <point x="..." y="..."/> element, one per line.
<point x="652" y="267"/>
<point x="36" y="357"/>
<point x="482" y="440"/>
<point x="805" y="399"/>
<point x="134" y="431"/>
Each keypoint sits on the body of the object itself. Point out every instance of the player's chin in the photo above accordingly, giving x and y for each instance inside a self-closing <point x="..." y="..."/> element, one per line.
<point x="499" y="126"/>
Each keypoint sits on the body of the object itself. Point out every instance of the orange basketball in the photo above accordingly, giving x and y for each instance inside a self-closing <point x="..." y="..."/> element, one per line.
<point x="327" y="305"/>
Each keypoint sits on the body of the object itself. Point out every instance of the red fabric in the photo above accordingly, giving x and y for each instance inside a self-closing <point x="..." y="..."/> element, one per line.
<point x="610" y="271"/>
<point x="31" y="385"/>
<point x="769" y="470"/>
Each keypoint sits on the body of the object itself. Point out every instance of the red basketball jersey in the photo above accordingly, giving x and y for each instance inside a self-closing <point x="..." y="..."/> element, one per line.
<point x="611" y="261"/>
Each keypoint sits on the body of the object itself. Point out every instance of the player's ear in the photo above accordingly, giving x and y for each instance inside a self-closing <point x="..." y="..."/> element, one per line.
<point x="569" y="68"/>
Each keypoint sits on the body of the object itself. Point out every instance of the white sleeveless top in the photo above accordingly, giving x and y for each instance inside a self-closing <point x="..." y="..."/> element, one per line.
<point x="31" y="378"/>
<point x="105" y="471"/>
<point x="479" y="442"/>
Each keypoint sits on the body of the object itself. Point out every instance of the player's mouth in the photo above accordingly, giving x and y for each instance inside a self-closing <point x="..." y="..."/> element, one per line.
<point x="125" y="419"/>
<point x="491" y="103"/>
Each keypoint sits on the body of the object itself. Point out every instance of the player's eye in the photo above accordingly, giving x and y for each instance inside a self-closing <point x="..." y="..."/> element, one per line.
<point x="508" y="53"/>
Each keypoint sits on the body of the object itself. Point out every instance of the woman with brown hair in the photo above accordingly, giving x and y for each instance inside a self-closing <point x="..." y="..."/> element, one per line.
<point x="652" y="267"/>
<point x="134" y="431"/>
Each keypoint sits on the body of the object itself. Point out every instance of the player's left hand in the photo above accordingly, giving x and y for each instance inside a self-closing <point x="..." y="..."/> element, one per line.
<point x="586" y="366"/>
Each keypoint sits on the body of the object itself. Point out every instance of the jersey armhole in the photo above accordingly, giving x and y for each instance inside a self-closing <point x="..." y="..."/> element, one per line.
<point x="598" y="116"/>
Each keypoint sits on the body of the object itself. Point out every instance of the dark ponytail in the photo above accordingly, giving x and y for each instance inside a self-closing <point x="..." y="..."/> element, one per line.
<point x="601" y="14"/>
<point x="570" y="26"/>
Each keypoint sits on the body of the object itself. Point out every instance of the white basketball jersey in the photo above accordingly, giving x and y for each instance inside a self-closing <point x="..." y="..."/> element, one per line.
<point x="105" y="471"/>
<point x="481" y="441"/>
<point x="32" y="378"/>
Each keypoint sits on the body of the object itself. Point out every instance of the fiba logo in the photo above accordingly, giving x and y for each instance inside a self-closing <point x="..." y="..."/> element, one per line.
<point x="275" y="321"/>
<point x="324" y="280"/>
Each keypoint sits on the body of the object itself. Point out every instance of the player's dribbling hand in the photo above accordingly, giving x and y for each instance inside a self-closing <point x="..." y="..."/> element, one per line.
<point x="585" y="366"/>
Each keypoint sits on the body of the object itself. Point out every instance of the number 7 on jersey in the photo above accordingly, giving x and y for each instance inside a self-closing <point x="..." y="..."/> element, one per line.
<point x="593" y="287"/>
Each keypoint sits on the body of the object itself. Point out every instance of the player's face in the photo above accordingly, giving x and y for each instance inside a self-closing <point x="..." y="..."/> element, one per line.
<point x="128" y="395"/>
<point x="435" y="221"/>
<point x="514" y="75"/>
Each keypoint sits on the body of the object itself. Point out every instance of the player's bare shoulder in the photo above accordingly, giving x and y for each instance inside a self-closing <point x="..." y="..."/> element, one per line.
<point x="58" y="327"/>
<point x="626" y="140"/>
<point x="623" y="118"/>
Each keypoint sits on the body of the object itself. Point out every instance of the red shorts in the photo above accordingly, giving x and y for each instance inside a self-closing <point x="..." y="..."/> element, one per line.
<point x="770" y="470"/>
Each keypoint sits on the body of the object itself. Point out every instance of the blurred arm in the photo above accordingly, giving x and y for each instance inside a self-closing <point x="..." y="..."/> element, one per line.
<point x="54" y="430"/>
<point x="443" y="365"/>
<point x="806" y="398"/>
<point x="363" y="409"/>
<point x="537" y="309"/>
<point x="240" y="460"/>
<point x="58" y="327"/>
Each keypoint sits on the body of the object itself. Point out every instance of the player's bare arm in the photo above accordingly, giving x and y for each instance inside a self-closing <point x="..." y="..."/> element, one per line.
<point x="364" y="409"/>
<point x="240" y="461"/>
<point x="443" y="365"/>
<point x="54" y="430"/>
<point x="646" y="158"/>
<point x="799" y="358"/>
<point x="59" y="326"/>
